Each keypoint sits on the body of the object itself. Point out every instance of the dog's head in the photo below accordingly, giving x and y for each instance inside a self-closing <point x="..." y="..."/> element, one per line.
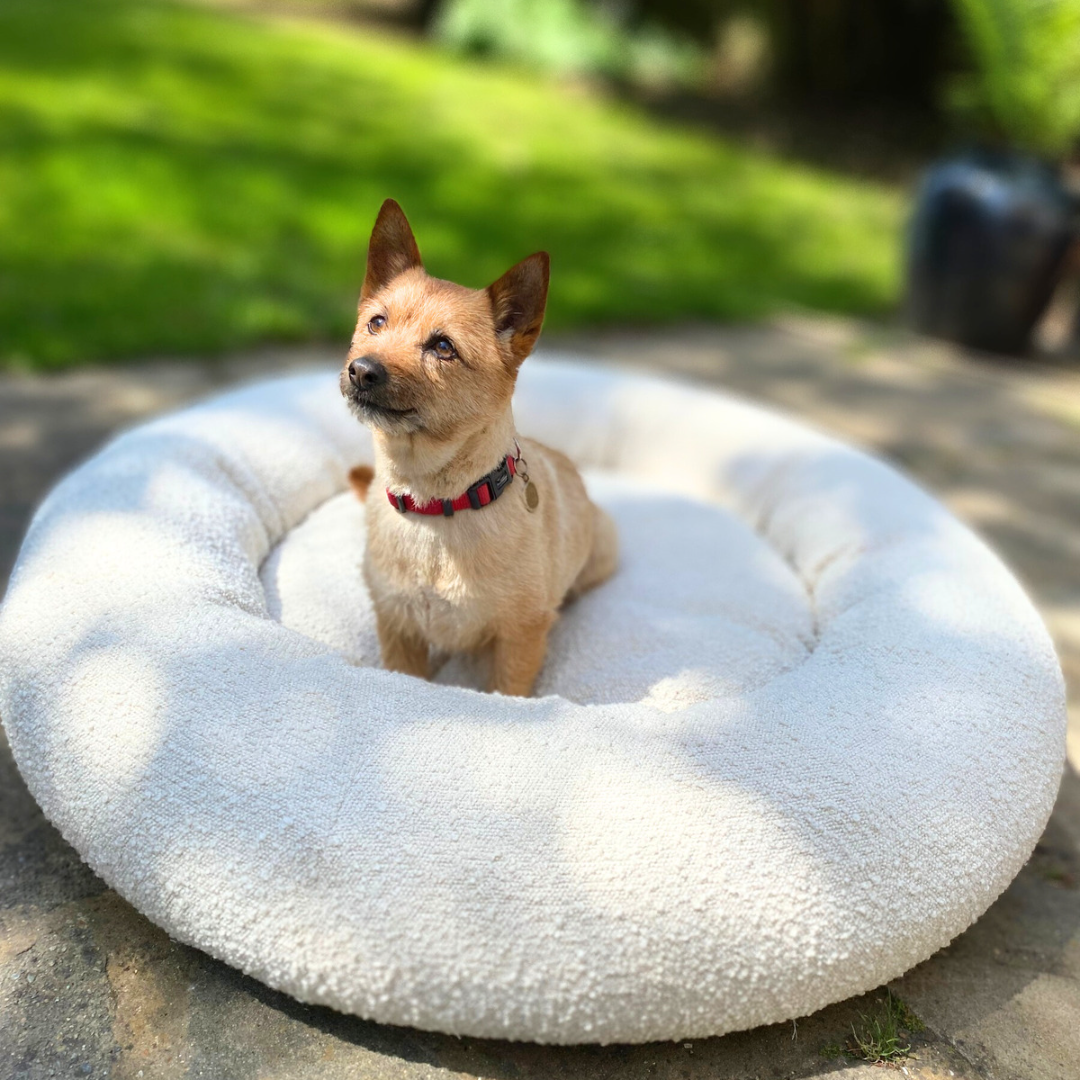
<point x="432" y="356"/>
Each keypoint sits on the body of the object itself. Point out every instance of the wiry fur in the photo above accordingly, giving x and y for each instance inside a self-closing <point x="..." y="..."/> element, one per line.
<point x="491" y="579"/>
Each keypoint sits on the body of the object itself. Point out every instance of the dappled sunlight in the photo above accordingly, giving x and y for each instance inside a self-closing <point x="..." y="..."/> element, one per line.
<point x="674" y="692"/>
<point x="429" y="855"/>
<point x="110" y="716"/>
<point x="733" y="848"/>
<point x="127" y="551"/>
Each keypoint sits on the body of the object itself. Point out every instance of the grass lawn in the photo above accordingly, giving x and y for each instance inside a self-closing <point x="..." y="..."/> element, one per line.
<point x="179" y="179"/>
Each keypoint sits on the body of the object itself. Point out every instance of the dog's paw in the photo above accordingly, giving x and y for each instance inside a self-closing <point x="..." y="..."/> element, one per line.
<point x="360" y="479"/>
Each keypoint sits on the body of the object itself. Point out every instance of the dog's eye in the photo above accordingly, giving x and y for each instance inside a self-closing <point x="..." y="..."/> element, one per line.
<point x="376" y="324"/>
<point x="443" y="348"/>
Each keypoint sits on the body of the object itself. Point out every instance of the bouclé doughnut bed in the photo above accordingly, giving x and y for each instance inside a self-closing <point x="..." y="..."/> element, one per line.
<point x="804" y="737"/>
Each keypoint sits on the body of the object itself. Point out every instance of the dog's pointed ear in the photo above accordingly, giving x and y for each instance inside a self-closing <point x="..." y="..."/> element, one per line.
<point x="518" y="300"/>
<point x="391" y="251"/>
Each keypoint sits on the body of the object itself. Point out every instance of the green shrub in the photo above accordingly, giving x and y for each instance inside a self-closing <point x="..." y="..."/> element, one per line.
<point x="1026" y="82"/>
<point x="568" y="37"/>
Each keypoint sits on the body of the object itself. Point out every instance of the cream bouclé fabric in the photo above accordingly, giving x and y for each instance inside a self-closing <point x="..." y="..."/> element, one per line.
<point x="807" y="734"/>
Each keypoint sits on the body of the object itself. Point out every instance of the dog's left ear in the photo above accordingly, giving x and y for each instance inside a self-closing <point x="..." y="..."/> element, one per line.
<point x="391" y="251"/>
<point x="518" y="300"/>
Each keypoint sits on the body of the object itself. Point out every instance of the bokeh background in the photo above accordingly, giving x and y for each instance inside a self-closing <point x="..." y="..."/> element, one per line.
<point x="187" y="178"/>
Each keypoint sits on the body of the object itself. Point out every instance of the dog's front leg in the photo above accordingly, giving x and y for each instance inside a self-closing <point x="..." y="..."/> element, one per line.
<point x="402" y="650"/>
<point x="518" y="655"/>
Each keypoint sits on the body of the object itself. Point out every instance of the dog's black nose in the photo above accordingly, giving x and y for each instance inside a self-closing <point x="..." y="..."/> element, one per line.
<point x="366" y="373"/>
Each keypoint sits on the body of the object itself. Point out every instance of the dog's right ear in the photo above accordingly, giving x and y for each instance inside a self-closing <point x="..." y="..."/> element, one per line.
<point x="518" y="300"/>
<point x="391" y="251"/>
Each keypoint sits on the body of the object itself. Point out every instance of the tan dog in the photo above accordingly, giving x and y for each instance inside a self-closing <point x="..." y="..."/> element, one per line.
<point x="475" y="536"/>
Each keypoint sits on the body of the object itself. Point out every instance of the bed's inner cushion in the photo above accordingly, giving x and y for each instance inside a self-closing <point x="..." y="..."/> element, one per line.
<point x="701" y="606"/>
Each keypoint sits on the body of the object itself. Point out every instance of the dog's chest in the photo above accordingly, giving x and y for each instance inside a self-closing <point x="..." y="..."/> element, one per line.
<point x="434" y="586"/>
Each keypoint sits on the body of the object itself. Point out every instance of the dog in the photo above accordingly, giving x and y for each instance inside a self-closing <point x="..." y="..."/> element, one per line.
<point x="476" y="537"/>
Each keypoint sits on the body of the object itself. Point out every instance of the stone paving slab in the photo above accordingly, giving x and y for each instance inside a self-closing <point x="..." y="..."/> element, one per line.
<point x="90" y="988"/>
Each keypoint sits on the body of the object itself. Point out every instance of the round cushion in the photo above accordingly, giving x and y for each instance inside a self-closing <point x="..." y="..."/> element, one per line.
<point x="807" y="734"/>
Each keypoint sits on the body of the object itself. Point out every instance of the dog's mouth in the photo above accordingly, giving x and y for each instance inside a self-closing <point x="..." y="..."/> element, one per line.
<point x="379" y="415"/>
<point x="375" y="409"/>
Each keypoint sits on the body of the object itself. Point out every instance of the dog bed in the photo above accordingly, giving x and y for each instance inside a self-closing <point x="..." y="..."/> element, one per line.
<point x="805" y="736"/>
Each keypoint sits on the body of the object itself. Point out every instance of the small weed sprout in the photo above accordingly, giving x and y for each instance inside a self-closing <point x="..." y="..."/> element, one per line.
<point x="878" y="1038"/>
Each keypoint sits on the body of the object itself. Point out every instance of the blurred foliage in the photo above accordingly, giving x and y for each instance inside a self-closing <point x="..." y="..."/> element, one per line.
<point x="1026" y="83"/>
<point x="569" y="37"/>
<point x="180" y="180"/>
<point x="825" y="51"/>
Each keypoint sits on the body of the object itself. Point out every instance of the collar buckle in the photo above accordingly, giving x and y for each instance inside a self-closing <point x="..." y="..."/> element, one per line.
<point x="496" y="482"/>
<point x="498" y="479"/>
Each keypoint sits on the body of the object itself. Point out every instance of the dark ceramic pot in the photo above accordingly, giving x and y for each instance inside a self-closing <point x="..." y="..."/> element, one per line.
<point x="986" y="247"/>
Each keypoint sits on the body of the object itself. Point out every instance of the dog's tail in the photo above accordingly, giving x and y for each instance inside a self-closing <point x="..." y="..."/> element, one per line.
<point x="360" y="480"/>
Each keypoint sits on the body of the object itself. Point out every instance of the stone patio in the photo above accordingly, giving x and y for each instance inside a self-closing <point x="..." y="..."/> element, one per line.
<point x="90" y="988"/>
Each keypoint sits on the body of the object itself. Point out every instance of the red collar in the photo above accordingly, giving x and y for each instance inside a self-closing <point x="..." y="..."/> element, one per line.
<point x="486" y="490"/>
